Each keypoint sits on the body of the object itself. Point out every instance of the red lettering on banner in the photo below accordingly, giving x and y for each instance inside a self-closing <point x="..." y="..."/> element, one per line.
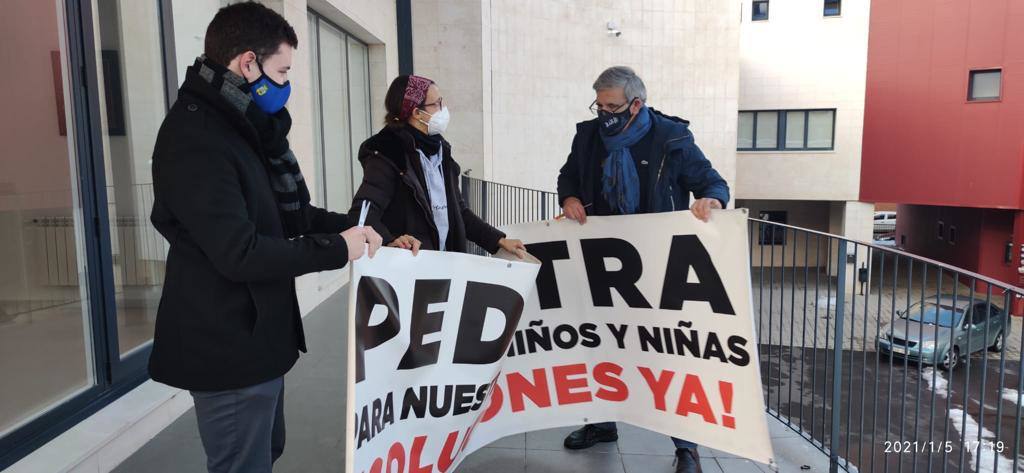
<point x="693" y="399"/>
<point x="659" y="385"/>
<point x="448" y="453"/>
<point x="564" y="385"/>
<point x="396" y="453"/>
<point x="518" y="386"/>
<point x="377" y="466"/>
<point x="725" y="388"/>
<point x="603" y="374"/>
<point x="414" y="456"/>
<point x="494" y="406"/>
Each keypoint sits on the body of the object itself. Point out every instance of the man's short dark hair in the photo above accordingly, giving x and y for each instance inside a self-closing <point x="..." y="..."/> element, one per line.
<point x="247" y="26"/>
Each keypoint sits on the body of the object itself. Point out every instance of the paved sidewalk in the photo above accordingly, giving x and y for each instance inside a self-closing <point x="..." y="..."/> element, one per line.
<point x="315" y="420"/>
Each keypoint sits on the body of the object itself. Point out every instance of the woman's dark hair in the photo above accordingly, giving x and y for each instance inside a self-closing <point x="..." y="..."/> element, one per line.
<point x="393" y="100"/>
<point x="246" y="26"/>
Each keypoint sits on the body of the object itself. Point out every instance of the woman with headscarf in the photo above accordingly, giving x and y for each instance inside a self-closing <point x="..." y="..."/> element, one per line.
<point x="412" y="182"/>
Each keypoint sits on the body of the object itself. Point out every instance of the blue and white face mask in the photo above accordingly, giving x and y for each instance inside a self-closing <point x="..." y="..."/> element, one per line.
<point x="269" y="95"/>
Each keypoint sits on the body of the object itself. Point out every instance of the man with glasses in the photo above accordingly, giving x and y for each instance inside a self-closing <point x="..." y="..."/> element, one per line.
<point x="633" y="159"/>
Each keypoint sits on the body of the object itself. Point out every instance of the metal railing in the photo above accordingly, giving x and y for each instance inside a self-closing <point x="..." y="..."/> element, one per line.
<point x="883" y="360"/>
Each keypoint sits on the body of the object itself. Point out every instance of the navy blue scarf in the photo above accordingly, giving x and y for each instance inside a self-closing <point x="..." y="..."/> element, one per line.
<point x="620" y="183"/>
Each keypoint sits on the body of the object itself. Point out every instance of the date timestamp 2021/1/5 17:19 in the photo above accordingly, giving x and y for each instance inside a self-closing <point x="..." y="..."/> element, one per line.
<point x="947" y="446"/>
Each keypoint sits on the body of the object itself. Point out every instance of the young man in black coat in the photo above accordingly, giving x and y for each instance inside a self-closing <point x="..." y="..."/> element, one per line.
<point x="231" y="201"/>
<point x="633" y="159"/>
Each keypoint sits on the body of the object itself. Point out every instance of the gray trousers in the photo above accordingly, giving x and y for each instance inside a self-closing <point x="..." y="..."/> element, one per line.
<point x="242" y="429"/>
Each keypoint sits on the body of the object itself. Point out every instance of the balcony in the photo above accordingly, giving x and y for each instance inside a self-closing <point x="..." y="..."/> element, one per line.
<point x="849" y="382"/>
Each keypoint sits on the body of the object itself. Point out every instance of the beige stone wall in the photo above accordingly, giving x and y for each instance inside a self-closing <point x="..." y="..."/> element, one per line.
<point x="799" y="59"/>
<point x="518" y="74"/>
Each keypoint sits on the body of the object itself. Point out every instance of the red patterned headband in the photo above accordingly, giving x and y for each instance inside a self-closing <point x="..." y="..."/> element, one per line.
<point x="415" y="94"/>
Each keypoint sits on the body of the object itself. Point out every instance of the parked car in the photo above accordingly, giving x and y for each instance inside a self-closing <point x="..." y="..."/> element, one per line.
<point x="941" y="331"/>
<point x="885" y="224"/>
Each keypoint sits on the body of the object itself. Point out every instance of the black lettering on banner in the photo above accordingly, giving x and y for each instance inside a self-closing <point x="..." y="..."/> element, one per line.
<point x="463" y="398"/>
<point x="469" y="348"/>
<point x="440" y="410"/>
<point x="713" y="348"/>
<point x="687" y="342"/>
<point x="481" y="394"/>
<point x="538" y="337"/>
<point x="363" y="432"/>
<point x="547" y="285"/>
<point x="427" y="291"/>
<point x="687" y="251"/>
<point x="370" y="293"/>
<point x="589" y="334"/>
<point x="650" y="339"/>
<point x="602" y="281"/>
<point x="415" y="400"/>
<point x="619" y="332"/>
<point x="737" y="347"/>
<point x="566" y="336"/>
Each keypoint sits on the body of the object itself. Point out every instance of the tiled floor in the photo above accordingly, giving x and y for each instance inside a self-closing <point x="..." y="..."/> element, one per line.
<point x="315" y="420"/>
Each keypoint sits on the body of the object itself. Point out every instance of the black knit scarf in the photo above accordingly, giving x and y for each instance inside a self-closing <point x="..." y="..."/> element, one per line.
<point x="285" y="176"/>
<point x="429" y="144"/>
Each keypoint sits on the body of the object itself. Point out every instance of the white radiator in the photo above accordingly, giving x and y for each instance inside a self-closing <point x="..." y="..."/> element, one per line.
<point x="139" y="251"/>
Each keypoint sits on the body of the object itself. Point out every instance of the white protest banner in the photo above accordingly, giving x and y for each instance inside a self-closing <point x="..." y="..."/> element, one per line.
<point x="427" y="336"/>
<point x="644" y="319"/>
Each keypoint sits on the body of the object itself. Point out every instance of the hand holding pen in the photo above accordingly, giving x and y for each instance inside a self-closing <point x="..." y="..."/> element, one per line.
<point x="361" y="239"/>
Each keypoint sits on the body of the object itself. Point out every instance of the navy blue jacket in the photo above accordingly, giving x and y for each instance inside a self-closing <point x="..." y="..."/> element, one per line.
<point x="677" y="167"/>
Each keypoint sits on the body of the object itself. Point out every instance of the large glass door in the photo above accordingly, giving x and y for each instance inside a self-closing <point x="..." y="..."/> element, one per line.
<point x="132" y="106"/>
<point x="46" y="343"/>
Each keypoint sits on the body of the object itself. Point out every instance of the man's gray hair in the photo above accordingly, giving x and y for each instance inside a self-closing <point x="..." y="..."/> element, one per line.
<point x="625" y="77"/>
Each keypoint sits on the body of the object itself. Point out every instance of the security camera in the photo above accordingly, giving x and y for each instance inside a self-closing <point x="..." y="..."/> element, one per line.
<point x="613" y="29"/>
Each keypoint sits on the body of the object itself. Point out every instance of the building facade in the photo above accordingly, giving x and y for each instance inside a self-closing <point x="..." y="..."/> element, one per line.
<point x="944" y="130"/>
<point x="82" y="266"/>
<point x="518" y="75"/>
<point x="801" y="114"/>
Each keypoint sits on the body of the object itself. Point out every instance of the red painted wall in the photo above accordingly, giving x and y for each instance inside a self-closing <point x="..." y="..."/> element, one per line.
<point x="923" y="142"/>
<point x="981" y="237"/>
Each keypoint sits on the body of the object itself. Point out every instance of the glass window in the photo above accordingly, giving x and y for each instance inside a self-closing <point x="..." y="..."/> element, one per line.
<point x="819" y="128"/>
<point x="767" y="130"/>
<point x="833" y="7"/>
<point x="934" y="314"/>
<point x="341" y="110"/>
<point x="985" y="85"/>
<point x="359" y="96"/>
<point x="134" y="104"/>
<point x="759" y="10"/>
<point x="316" y="110"/>
<point x="45" y="343"/>
<point x="800" y="129"/>
<point x="335" y="137"/>
<point x="745" y="131"/>
<point x="191" y="17"/>
<point x="795" y="129"/>
<point x="773" y="234"/>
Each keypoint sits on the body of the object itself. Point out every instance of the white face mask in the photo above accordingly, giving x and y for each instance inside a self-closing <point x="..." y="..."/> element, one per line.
<point x="438" y="122"/>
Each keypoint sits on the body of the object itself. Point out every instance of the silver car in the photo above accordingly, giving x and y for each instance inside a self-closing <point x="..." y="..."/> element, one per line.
<point x="941" y="330"/>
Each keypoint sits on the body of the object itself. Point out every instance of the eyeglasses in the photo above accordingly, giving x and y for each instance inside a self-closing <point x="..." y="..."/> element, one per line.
<point x="439" y="104"/>
<point x="595" y="108"/>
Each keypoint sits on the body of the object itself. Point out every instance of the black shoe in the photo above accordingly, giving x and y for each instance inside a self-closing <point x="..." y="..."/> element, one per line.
<point x="589" y="436"/>
<point x="687" y="461"/>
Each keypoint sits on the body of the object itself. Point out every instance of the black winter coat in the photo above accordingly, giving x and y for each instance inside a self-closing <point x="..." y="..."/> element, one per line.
<point x="228" y="316"/>
<point x="393" y="182"/>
